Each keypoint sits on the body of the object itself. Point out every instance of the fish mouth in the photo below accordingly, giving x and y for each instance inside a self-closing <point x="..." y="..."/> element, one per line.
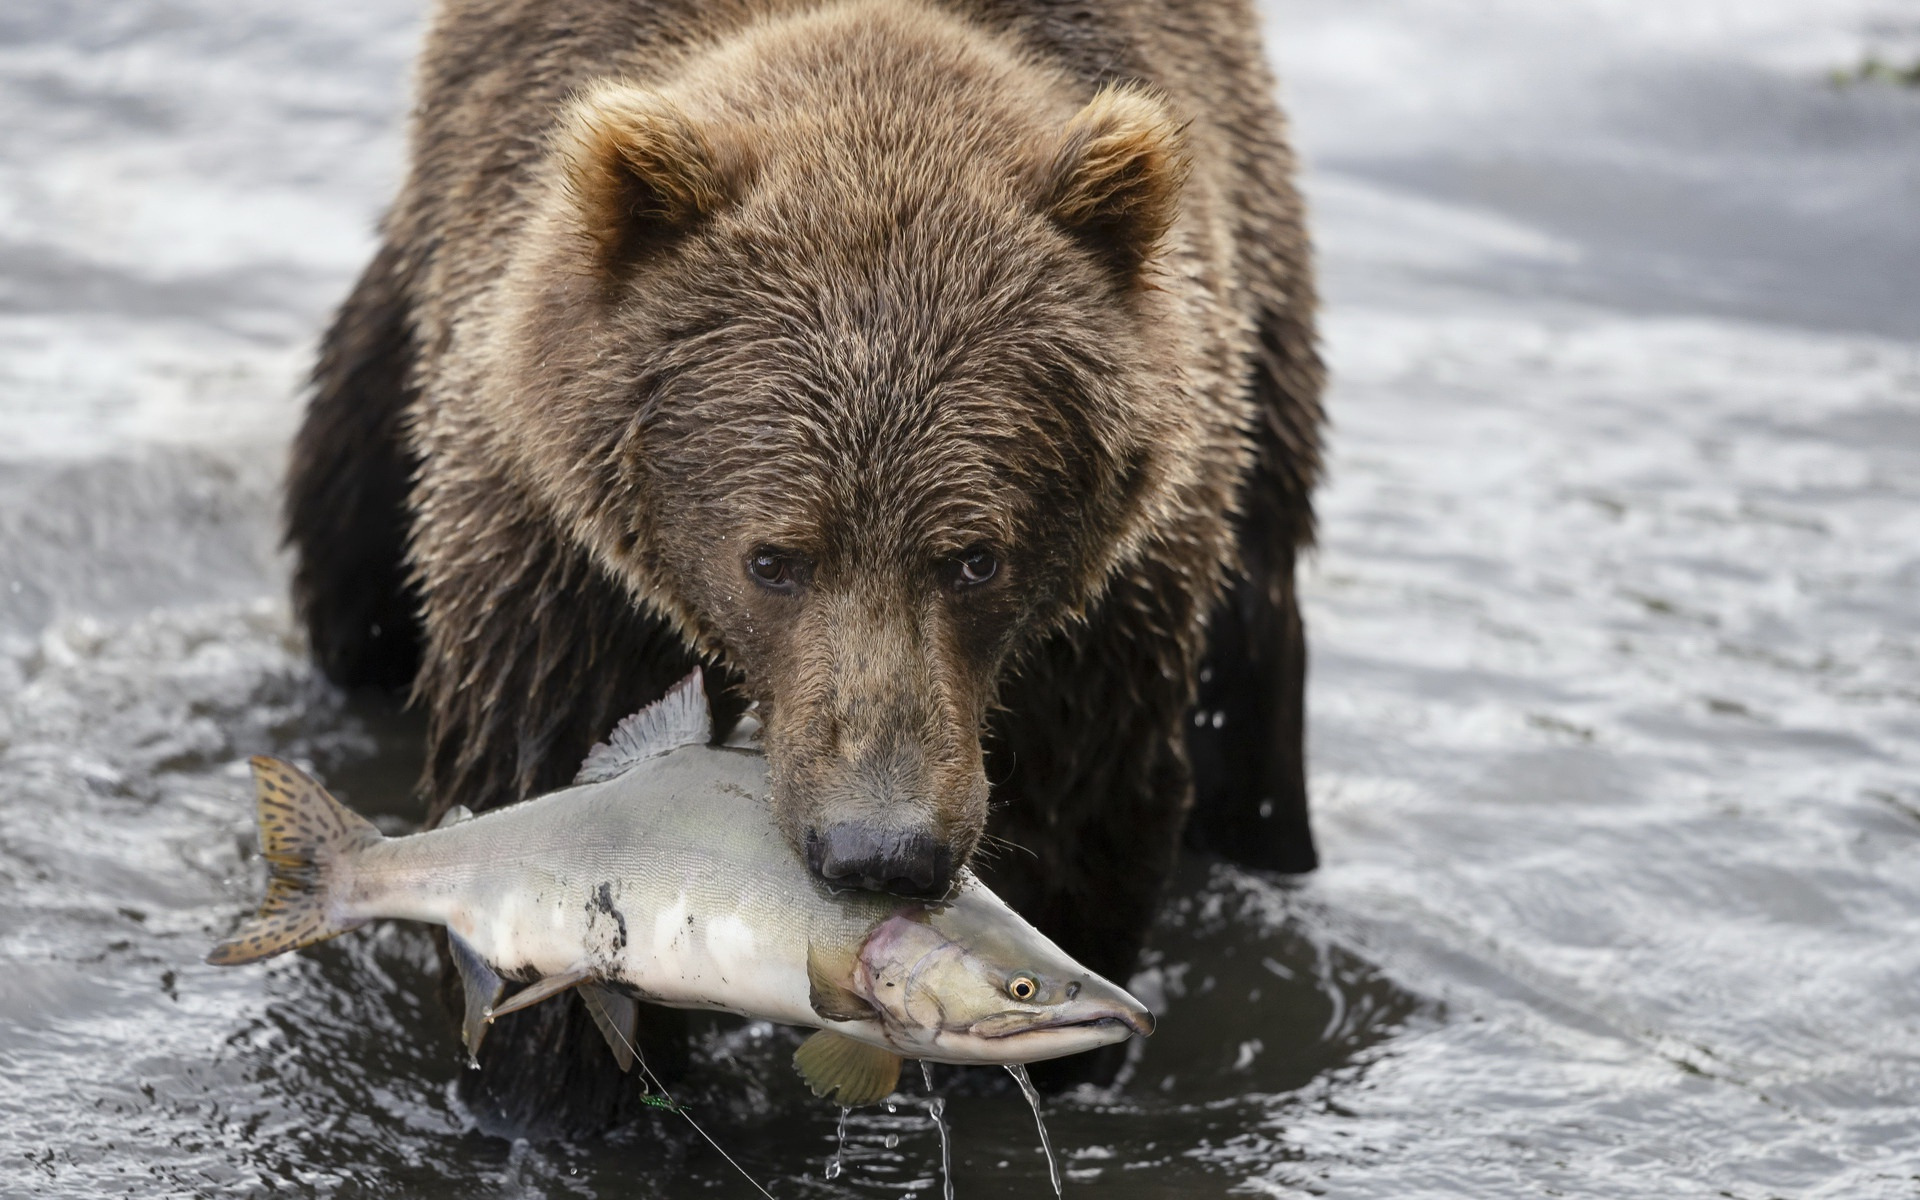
<point x="1015" y="1024"/>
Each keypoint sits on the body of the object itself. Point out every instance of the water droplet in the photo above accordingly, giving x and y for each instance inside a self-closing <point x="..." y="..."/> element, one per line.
<point x="890" y="1141"/>
<point x="835" y="1164"/>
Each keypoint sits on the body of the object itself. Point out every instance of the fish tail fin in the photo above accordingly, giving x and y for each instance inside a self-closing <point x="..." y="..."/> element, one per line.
<point x="304" y="835"/>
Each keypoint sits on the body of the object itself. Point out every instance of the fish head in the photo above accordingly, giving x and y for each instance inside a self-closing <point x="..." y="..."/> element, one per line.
<point x="969" y="981"/>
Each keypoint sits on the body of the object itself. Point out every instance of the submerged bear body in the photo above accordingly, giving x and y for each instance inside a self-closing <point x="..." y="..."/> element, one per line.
<point x="940" y="375"/>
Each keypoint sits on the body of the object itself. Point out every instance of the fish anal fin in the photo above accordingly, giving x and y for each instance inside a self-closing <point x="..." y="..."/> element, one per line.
<point x="617" y="1016"/>
<point x="543" y="989"/>
<point x="482" y="987"/>
<point x="845" y="1071"/>
<point x="829" y="988"/>
<point x="679" y="718"/>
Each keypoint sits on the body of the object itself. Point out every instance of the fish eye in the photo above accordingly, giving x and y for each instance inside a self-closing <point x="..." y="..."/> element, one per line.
<point x="1022" y="987"/>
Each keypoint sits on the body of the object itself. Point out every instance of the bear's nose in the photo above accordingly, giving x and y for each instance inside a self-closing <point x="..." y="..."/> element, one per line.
<point x="863" y="856"/>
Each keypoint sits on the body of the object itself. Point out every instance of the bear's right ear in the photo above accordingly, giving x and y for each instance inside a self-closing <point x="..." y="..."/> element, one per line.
<point x="638" y="172"/>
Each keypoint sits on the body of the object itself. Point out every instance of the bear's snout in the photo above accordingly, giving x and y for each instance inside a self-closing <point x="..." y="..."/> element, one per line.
<point x="873" y="736"/>
<point x="882" y="818"/>
<point x="859" y="855"/>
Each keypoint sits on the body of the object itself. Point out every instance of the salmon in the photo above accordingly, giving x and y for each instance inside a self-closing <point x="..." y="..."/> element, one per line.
<point x="660" y="876"/>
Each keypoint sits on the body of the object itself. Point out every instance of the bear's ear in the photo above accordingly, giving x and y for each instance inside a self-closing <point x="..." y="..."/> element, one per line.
<point x="1114" y="182"/>
<point x="638" y="172"/>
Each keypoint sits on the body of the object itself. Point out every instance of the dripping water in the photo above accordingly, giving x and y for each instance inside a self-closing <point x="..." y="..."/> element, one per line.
<point x="1019" y="1073"/>
<point x="837" y="1163"/>
<point x="937" y="1109"/>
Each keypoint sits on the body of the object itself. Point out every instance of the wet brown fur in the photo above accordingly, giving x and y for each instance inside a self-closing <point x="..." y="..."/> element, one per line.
<point x="875" y="283"/>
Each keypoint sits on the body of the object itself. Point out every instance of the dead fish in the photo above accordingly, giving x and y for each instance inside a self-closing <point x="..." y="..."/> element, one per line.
<point x="659" y="875"/>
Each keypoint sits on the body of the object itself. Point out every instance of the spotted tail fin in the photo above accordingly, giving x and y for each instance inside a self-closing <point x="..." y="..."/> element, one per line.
<point x="304" y="835"/>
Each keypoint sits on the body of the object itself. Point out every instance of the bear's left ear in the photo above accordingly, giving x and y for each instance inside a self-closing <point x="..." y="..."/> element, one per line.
<point x="639" y="172"/>
<point x="1114" y="182"/>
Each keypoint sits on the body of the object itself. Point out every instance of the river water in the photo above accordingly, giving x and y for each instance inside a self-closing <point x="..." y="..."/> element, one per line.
<point x="1616" y="694"/>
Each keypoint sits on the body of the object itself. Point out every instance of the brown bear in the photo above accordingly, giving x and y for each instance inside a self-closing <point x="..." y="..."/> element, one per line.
<point x="939" y="373"/>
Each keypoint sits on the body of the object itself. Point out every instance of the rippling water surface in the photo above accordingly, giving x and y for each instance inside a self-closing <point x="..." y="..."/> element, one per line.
<point x="1616" y="685"/>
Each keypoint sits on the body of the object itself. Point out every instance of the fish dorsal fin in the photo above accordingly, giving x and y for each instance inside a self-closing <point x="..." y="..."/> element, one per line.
<point x="845" y="1071"/>
<point x="679" y="718"/>
<point x="482" y="987"/>
<point x="454" y="816"/>
<point x="617" y="1016"/>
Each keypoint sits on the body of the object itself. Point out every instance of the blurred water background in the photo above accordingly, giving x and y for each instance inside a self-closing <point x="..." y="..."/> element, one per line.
<point x="1616" y="651"/>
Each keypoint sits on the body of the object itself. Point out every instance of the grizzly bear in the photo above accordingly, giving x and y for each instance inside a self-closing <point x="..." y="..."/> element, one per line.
<point x="939" y="374"/>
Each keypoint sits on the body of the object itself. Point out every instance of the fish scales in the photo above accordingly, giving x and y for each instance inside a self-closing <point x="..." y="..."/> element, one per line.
<point x="669" y="879"/>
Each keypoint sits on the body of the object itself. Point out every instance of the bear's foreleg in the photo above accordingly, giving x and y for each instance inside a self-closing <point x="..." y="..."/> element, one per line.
<point x="347" y="487"/>
<point x="1247" y="735"/>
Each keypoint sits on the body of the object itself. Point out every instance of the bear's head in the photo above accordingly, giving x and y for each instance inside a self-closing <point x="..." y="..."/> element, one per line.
<point x="850" y="348"/>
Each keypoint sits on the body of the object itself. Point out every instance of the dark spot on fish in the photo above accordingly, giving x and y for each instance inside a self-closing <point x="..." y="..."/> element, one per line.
<point x="603" y="900"/>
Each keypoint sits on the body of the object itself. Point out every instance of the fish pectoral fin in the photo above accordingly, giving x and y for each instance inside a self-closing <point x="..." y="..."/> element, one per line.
<point x="482" y="987"/>
<point x="543" y="989"/>
<point x="845" y="1071"/>
<point x="828" y="989"/>
<point x="617" y="1016"/>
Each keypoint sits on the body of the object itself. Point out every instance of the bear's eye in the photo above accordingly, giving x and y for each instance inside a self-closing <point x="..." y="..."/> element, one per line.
<point x="1022" y="987"/>
<point x="975" y="566"/>
<point x="776" y="570"/>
